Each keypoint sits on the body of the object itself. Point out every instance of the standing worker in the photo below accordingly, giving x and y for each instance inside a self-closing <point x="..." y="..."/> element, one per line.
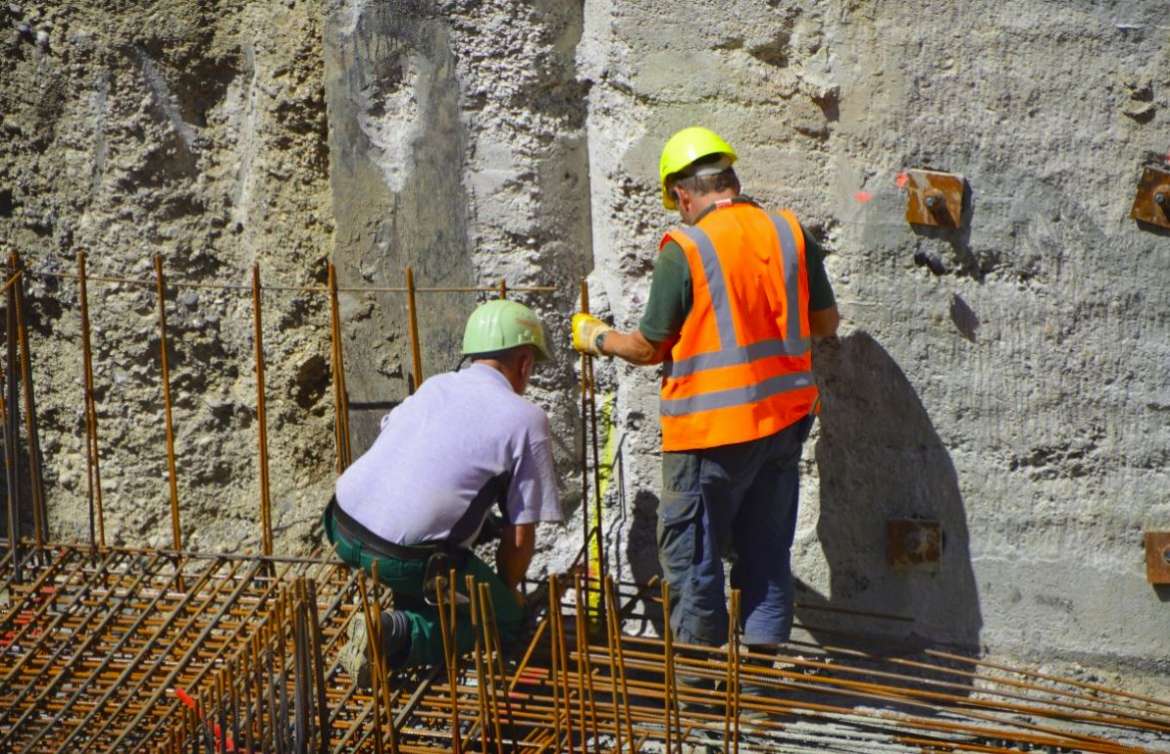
<point x="417" y="500"/>
<point x="736" y="298"/>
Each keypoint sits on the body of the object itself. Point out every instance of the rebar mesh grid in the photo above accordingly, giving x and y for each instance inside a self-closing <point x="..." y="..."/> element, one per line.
<point x="122" y="650"/>
<point x="150" y="651"/>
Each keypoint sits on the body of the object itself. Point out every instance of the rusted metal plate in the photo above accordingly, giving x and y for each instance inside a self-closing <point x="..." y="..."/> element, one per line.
<point x="934" y="198"/>
<point x="1158" y="557"/>
<point x="1152" y="203"/>
<point x="913" y="542"/>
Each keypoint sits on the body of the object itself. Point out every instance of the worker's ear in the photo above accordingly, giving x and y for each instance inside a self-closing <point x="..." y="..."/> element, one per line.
<point x="682" y="200"/>
<point x="527" y="364"/>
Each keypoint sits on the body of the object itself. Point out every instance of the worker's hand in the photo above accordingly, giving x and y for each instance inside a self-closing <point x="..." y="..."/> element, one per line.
<point x="586" y="332"/>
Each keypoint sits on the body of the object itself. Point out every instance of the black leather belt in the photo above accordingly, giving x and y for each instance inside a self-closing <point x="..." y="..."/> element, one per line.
<point x="353" y="531"/>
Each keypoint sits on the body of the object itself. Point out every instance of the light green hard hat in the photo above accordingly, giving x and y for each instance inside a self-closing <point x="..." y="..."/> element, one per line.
<point x="501" y="324"/>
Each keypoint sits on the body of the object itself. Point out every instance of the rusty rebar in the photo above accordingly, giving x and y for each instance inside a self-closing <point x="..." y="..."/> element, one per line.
<point x="164" y="361"/>
<point x="337" y="362"/>
<point x="93" y="476"/>
<point x="412" y="327"/>
<point x="15" y="497"/>
<point x="261" y="414"/>
<point x="36" y="482"/>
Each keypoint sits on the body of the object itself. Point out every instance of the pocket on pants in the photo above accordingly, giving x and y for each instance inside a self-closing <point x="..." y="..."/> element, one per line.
<point x="678" y="533"/>
<point x="679" y="516"/>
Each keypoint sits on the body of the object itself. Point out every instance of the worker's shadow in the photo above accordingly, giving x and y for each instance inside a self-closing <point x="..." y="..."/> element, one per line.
<point x="879" y="458"/>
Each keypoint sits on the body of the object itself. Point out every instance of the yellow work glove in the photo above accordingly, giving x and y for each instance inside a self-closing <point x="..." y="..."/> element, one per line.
<point x="587" y="330"/>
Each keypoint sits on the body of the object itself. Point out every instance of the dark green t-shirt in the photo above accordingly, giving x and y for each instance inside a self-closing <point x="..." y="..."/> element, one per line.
<point x="670" y="289"/>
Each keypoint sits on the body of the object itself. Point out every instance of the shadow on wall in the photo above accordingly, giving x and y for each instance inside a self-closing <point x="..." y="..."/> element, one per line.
<point x="879" y="458"/>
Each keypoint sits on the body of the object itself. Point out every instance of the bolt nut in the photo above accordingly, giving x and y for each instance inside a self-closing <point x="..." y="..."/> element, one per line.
<point x="1161" y="199"/>
<point x="933" y="202"/>
<point x="1166" y="555"/>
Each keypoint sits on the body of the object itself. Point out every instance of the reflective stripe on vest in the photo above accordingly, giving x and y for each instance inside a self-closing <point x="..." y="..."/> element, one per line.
<point x="731" y="353"/>
<point x="781" y="383"/>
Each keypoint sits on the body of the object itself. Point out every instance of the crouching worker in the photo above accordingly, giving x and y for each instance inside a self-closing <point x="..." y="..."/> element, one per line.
<point x="464" y="444"/>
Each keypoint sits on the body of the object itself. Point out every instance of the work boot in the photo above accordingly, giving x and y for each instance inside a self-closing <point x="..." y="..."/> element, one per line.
<point x="395" y="647"/>
<point x="697" y="690"/>
<point x="763" y="687"/>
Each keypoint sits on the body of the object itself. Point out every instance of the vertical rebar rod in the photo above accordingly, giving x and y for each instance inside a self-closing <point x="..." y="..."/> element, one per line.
<point x="612" y="615"/>
<point x="36" y="482"/>
<point x="234" y="695"/>
<point x="447" y="632"/>
<point x="477" y="656"/>
<point x="172" y="473"/>
<point x="261" y="414"/>
<point x="97" y="524"/>
<point x="503" y="288"/>
<point x="487" y="627"/>
<point x="340" y="393"/>
<point x="670" y="693"/>
<point x="12" y="431"/>
<point x="558" y="626"/>
<point x="282" y="663"/>
<point x="583" y="462"/>
<point x="301" y="701"/>
<point x="554" y="657"/>
<point x="733" y="647"/>
<point x="613" y="675"/>
<point x="596" y="556"/>
<point x="412" y="317"/>
<point x="318" y="664"/>
<point x="578" y="640"/>
<point x="585" y="666"/>
<point x="376" y="664"/>
<point x="493" y="640"/>
<point x="219" y="713"/>
<point x="247" y="675"/>
<point x="382" y="666"/>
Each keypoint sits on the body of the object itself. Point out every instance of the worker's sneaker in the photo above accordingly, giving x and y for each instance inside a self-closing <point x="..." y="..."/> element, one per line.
<point x="395" y="647"/>
<point x="355" y="655"/>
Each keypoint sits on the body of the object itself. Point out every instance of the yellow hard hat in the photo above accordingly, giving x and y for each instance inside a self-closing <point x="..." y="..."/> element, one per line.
<point x="684" y="148"/>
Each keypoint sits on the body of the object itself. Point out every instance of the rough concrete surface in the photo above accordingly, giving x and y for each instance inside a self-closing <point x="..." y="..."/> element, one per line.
<point x="194" y="131"/>
<point x="1015" y="389"/>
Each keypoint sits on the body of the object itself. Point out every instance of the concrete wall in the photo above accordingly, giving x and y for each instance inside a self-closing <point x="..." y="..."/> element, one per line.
<point x="197" y="133"/>
<point x="1019" y="397"/>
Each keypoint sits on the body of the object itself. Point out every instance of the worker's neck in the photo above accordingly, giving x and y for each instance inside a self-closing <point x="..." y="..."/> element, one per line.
<point x="705" y="202"/>
<point x="511" y="373"/>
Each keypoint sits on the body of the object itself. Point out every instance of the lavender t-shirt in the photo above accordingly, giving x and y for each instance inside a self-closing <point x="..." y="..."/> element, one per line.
<point x="438" y="450"/>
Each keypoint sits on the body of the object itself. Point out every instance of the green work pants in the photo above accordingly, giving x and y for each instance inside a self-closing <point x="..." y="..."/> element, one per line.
<point x="405" y="579"/>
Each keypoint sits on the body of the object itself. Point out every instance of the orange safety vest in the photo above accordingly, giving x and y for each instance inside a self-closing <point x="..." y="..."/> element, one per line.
<point x="742" y="366"/>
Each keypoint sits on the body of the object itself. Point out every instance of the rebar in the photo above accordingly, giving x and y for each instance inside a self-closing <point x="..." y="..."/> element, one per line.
<point x="261" y="415"/>
<point x="164" y="362"/>
<point x="12" y="429"/>
<point x="36" y="482"/>
<point x="416" y="370"/>
<point x="97" y="526"/>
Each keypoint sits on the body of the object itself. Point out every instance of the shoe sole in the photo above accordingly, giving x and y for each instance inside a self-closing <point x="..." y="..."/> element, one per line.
<point x="353" y="658"/>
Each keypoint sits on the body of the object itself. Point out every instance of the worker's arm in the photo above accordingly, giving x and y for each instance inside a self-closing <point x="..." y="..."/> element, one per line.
<point x="823" y="322"/>
<point x="634" y="347"/>
<point x="517" y="543"/>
